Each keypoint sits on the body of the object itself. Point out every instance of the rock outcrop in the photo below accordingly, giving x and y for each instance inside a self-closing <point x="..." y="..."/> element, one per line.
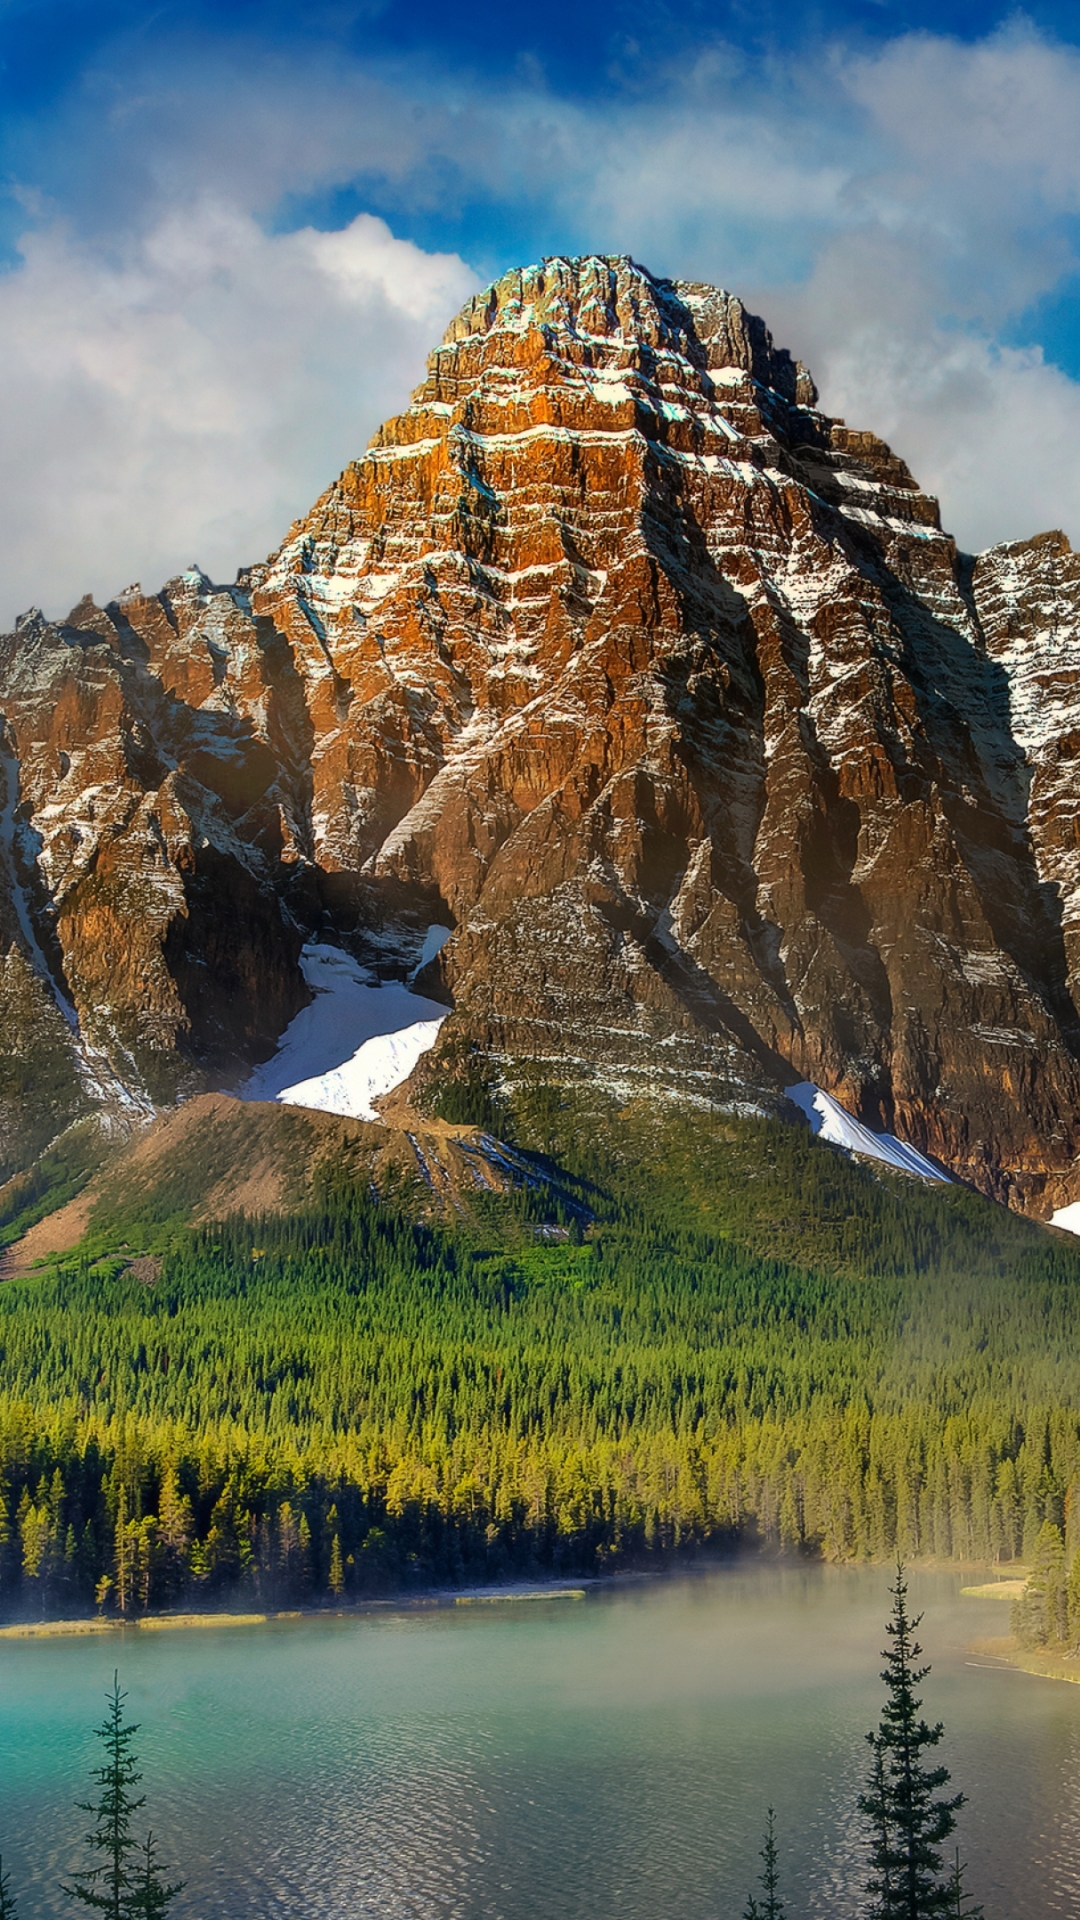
<point x="665" y="691"/>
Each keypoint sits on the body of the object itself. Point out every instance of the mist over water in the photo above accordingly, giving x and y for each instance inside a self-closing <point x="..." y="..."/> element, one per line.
<point x="556" y="1760"/>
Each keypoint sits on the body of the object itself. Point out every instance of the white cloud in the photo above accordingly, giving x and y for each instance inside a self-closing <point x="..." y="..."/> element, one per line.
<point x="187" y="399"/>
<point x="178" y="383"/>
<point x="932" y="189"/>
<point x="1007" y="104"/>
<point x="993" y="431"/>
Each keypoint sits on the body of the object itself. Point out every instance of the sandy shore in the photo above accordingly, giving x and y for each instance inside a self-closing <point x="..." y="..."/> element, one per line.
<point x="995" y="1590"/>
<point x="1006" y="1652"/>
<point x="148" y="1623"/>
<point x="400" y="1603"/>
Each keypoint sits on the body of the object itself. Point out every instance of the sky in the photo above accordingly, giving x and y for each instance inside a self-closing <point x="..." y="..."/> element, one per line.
<point x="229" y="235"/>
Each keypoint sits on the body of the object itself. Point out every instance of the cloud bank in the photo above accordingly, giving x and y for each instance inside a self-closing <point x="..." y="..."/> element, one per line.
<point x="185" y="401"/>
<point x="197" y="330"/>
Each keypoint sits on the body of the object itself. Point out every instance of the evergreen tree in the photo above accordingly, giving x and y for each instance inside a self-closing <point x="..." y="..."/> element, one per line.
<point x="907" y="1819"/>
<point x="110" y="1887"/>
<point x="175" y="1531"/>
<point x="960" y="1908"/>
<point x="1072" y="1602"/>
<point x="8" y="1909"/>
<point x="126" y="1535"/>
<point x="1040" y="1616"/>
<point x="772" y="1907"/>
<point x="151" y="1896"/>
<point x="303" y="1533"/>
<point x="875" y="1805"/>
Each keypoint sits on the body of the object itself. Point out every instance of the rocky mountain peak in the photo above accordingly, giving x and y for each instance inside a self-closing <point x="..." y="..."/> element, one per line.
<point x="660" y="689"/>
<point x="606" y="303"/>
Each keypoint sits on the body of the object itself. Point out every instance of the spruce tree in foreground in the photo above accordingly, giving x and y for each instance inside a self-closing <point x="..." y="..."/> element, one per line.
<point x="8" y="1909"/>
<point x="907" y="1819"/>
<point x="960" y="1908"/>
<point x="127" y="1883"/>
<point x="152" y="1896"/>
<point x="772" y="1908"/>
<point x="107" y="1888"/>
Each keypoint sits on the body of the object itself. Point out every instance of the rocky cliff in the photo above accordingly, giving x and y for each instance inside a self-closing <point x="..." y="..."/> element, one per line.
<point x="663" y="690"/>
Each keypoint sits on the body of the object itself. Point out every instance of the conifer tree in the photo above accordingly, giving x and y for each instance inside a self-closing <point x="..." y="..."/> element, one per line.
<point x="303" y="1533"/>
<point x="1072" y="1602"/>
<point x="125" y="1538"/>
<point x="109" y="1888"/>
<point x="1040" y="1616"/>
<point x="961" y="1908"/>
<point x="8" y="1909"/>
<point x="772" y="1907"/>
<point x="175" y="1531"/>
<point x="336" y="1581"/>
<point x="908" y="1820"/>
<point x="151" y="1896"/>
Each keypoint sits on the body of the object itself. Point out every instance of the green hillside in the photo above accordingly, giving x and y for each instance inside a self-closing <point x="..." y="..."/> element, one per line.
<point x="690" y="1331"/>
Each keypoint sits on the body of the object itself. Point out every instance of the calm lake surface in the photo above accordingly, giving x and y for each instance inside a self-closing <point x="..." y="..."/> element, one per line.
<point x="554" y="1760"/>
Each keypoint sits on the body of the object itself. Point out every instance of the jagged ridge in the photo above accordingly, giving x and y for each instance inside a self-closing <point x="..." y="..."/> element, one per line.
<point x="661" y="687"/>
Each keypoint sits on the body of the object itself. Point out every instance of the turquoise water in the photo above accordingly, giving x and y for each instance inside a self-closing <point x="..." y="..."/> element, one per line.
<point x="556" y="1760"/>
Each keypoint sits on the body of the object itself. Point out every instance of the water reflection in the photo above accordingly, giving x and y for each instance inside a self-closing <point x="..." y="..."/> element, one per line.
<point x="552" y="1762"/>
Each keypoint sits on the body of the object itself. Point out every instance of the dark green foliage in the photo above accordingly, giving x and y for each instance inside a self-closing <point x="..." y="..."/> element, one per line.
<point x="151" y="1896"/>
<point x="906" y="1817"/>
<point x="128" y="1882"/>
<point x="54" y="1179"/>
<point x="1046" y="1611"/>
<point x="960" y="1907"/>
<point x="8" y="1909"/>
<point x="469" y="1096"/>
<point x="772" y="1907"/>
<point x="680" y="1336"/>
<point x="110" y="1887"/>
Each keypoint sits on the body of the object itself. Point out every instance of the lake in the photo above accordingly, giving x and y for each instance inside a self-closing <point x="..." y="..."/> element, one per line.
<point x="541" y="1760"/>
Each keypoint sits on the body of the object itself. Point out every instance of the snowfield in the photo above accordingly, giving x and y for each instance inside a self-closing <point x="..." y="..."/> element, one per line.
<point x="1067" y="1218"/>
<point x="355" y="1043"/>
<point x="830" y="1121"/>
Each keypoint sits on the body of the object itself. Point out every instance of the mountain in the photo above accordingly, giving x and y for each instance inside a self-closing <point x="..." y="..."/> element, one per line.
<point x="661" y="690"/>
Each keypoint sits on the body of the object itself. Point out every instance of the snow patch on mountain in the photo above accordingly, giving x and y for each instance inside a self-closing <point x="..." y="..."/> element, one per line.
<point x="832" y="1122"/>
<point x="435" y="940"/>
<point x="354" y="1044"/>
<point x="1068" y="1218"/>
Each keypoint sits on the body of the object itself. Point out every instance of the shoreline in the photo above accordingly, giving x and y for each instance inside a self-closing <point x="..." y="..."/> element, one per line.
<point x="488" y="1594"/>
<point x="1012" y="1657"/>
<point x="447" y="1598"/>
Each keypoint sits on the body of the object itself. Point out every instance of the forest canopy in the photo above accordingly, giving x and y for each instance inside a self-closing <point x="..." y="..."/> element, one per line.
<point x="686" y="1334"/>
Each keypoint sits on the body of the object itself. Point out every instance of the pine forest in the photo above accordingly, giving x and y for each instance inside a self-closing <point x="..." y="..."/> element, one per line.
<point x="695" y="1335"/>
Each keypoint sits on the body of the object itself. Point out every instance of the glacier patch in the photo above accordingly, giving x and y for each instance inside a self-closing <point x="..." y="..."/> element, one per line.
<point x="1068" y="1218"/>
<point x="353" y="1045"/>
<point x="832" y="1122"/>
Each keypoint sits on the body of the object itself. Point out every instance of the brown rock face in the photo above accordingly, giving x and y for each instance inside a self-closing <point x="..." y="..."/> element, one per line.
<point x="663" y="689"/>
<point x="141" y="839"/>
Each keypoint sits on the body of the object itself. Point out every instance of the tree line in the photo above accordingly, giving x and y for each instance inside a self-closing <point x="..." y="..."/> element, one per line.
<point x="348" y="1400"/>
<point x="743" y="1339"/>
<point x="1047" y="1613"/>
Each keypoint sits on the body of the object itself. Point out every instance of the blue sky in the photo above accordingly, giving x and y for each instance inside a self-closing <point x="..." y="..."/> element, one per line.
<point x="230" y="233"/>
